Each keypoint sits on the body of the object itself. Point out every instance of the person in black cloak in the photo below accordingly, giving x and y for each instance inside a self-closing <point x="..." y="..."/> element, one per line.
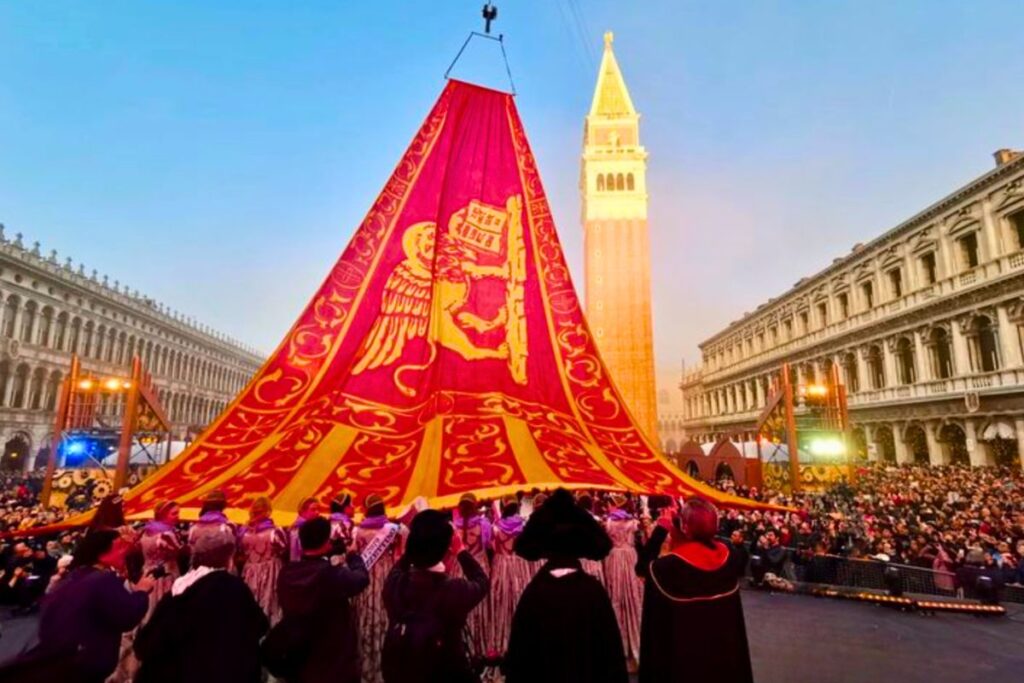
<point x="564" y="629"/>
<point x="692" y="626"/>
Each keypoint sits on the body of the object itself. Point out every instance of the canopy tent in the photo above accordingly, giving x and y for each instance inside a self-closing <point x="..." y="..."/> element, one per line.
<point x="445" y="352"/>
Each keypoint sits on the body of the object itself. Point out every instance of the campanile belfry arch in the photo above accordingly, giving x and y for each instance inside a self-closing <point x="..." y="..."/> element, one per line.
<point x="617" y="277"/>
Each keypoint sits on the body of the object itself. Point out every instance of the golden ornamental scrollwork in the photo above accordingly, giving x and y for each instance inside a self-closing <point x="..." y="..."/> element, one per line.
<point x="293" y="369"/>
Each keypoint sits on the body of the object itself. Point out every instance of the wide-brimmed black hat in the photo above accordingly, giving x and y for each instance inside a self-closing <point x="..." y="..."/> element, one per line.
<point x="560" y="528"/>
<point x="430" y="534"/>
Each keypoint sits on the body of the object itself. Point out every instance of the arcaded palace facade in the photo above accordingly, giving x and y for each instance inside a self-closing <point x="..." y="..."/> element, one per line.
<point x="924" y="324"/>
<point x="50" y="309"/>
<point x="617" y="252"/>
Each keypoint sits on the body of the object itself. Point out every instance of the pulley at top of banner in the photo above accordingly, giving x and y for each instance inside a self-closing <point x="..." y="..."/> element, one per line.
<point x="489" y="14"/>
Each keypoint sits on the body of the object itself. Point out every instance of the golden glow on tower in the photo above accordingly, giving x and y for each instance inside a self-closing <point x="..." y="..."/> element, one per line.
<point x="617" y="278"/>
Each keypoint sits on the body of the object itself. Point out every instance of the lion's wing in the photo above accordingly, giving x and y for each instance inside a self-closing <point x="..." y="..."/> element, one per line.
<point x="404" y="315"/>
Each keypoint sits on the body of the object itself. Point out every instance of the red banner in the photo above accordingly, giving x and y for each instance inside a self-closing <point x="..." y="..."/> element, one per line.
<point x="445" y="352"/>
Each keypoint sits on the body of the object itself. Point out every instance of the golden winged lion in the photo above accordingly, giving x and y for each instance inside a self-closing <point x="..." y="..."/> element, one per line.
<point x="416" y="303"/>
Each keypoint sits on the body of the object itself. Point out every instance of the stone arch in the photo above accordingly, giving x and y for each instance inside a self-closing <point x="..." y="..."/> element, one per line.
<point x="917" y="442"/>
<point x="62" y="334"/>
<point x="885" y="442"/>
<point x="724" y="471"/>
<point x="100" y="341"/>
<point x="6" y="378"/>
<point x="53" y="387"/>
<point x="88" y="338"/>
<point x="19" y="392"/>
<point x="983" y="344"/>
<point x="940" y="351"/>
<point x="630" y="184"/>
<point x="46" y="325"/>
<point x="693" y="469"/>
<point x="620" y="182"/>
<point x="28" y="321"/>
<point x="998" y="437"/>
<point x="859" y="442"/>
<point x="876" y="366"/>
<point x="11" y="307"/>
<point x="36" y="389"/>
<point x="954" y="439"/>
<point x="16" y="452"/>
<point x="122" y="353"/>
<point x="851" y="372"/>
<point x="906" y="373"/>
<point x="600" y="182"/>
<point x="111" y="344"/>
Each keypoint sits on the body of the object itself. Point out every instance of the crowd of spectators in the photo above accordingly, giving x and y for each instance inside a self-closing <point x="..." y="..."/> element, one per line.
<point x="946" y="518"/>
<point x="28" y="566"/>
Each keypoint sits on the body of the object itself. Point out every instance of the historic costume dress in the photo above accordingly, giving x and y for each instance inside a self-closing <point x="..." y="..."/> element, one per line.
<point x="476" y="533"/>
<point x="262" y="546"/>
<point x="294" y="544"/>
<point x="509" y="576"/>
<point x="160" y="547"/>
<point x="378" y="536"/>
<point x="593" y="567"/>
<point x="624" y="588"/>
<point x="693" y="628"/>
<point x="211" y="523"/>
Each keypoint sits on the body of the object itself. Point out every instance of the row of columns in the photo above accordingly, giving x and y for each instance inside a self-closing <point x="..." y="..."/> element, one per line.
<point x="750" y="394"/>
<point x="939" y="453"/>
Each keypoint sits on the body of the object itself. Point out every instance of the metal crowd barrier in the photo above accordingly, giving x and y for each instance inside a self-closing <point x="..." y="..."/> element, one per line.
<point x="836" y="570"/>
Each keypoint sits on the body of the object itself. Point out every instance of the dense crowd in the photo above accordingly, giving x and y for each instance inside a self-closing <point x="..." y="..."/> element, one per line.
<point x="581" y="590"/>
<point x="942" y="518"/>
<point x="954" y="520"/>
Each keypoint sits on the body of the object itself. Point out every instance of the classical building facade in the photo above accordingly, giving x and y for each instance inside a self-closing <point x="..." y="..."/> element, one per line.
<point x="671" y="412"/>
<point x="49" y="310"/>
<point x="924" y="324"/>
<point x="617" y="261"/>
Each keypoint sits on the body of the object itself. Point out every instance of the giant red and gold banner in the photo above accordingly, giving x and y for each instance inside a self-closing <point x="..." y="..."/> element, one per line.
<point x="445" y="352"/>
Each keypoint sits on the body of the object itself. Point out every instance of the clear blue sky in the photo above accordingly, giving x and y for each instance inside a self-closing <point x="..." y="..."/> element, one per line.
<point x="217" y="155"/>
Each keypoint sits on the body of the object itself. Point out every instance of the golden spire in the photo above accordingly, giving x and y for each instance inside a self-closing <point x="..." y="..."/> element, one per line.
<point x="611" y="98"/>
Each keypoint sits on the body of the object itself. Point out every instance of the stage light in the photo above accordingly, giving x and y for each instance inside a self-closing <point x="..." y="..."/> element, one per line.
<point x="85" y="384"/>
<point x="76" y="447"/>
<point x="113" y="384"/>
<point x="816" y="390"/>
<point x="893" y="579"/>
<point x="828" y="447"/>
<point x="126" y="384"/>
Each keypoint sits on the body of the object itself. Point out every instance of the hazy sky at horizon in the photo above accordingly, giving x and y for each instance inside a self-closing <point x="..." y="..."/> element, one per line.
<point x="218" y="156"/>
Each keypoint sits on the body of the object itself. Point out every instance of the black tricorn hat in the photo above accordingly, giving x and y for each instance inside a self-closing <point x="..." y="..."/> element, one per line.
<point x="560" y="528"/>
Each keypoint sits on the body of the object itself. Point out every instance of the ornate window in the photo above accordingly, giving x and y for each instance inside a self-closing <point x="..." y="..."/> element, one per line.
<point x="904" y="349"/>
<point x="941" y="353"/>
<point x="983" y="345"/>
<point x="896" y="283"/>
<point x="876" y="367"/>
<point x="968" y="249"/>
<point x="927" y="267"/>
<point x="600" y="183"/>
<point x="629" y="182"/>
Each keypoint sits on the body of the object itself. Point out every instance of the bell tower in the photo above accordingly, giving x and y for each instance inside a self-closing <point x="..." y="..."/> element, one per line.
<point x="617" y="277"/>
